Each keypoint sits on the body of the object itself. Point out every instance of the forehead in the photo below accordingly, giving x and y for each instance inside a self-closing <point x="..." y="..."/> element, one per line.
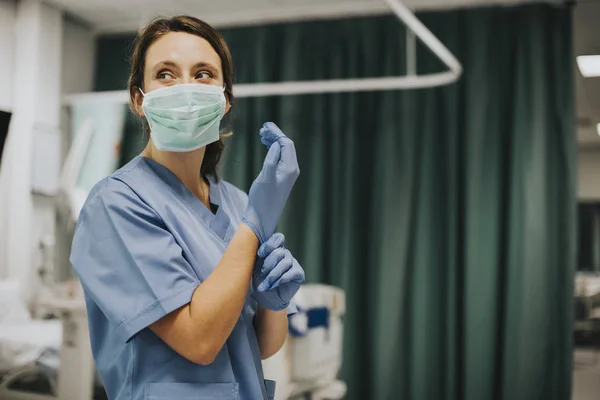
<point x="182" y="48"/>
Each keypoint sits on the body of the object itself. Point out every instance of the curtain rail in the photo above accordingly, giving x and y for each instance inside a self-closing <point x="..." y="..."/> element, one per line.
<point x="411" y="81"/>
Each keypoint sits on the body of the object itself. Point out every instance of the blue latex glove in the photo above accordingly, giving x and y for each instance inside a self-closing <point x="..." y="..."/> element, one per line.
<point x="277" y="275"/>
<point x="271" y="189"/>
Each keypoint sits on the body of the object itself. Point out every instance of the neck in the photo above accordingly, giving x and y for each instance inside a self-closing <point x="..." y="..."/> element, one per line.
<point x="186" y="166"/>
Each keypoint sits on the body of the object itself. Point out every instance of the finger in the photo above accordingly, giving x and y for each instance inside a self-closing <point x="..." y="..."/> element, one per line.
<point x="273" y="155"/>
<point x="270" y="133"/>
<point x="288" y="292"/>
<point x="267" y="142"/>
<point x="294" y="274"/>
<point x="281" y="268"/>
<point x="275" y="241"/>
<point x="288" y="150"/>
<point x="272" y="260"/>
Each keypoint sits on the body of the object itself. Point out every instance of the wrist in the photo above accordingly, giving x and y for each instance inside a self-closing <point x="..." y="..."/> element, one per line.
<point x="270" y="302"/>
<point x="267" y="311"/>
<point x="249" y="229"/>
<point x="252" y="221"/>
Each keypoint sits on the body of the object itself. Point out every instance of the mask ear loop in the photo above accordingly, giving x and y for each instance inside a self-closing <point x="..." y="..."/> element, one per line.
<point x="143" y="94"/>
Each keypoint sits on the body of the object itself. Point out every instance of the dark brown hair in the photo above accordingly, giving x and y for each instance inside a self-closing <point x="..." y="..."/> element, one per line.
<point x="194" y="26"/>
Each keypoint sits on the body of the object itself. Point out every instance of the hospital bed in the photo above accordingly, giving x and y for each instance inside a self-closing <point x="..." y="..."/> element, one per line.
<point x="587" y="305"/>
<point x="45" y="359"/>
<point x="26" y="347"/>
<point x="309" y="363"/>
<point x="587" y="321"/>
<point x="28" y="352"/>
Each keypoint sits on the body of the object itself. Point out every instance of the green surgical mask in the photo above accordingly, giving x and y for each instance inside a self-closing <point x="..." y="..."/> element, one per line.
<point x="184" y="117"/>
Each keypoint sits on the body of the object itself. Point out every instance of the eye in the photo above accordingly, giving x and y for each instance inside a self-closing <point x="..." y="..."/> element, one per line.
<point x="203" y="75"/>
<point x="162" y="75"/>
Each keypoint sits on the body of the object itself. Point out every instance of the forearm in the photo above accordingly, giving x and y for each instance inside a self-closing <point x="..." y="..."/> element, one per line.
<point x="271" y="330"/>
<point x="218" y="301"/>
<point x="199" y="330"/>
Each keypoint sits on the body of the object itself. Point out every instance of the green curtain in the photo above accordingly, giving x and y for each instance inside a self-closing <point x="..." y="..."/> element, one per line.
<point x="448" y="214"/>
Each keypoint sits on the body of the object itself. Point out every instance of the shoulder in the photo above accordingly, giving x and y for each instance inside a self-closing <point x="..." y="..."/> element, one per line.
<point x="112" y="197"/>
<point x="119" y="187"/>
<point x="109" y="190"/>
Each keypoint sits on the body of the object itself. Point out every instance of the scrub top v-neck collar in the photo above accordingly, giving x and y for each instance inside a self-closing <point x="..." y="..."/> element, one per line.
<point x="218" y="222"/>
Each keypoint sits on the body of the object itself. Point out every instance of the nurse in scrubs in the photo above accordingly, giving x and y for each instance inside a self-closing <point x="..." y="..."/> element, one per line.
<point x="187" y="285"/>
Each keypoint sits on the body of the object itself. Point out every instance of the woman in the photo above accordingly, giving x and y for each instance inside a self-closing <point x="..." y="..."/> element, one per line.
<point x="187" y="285"/>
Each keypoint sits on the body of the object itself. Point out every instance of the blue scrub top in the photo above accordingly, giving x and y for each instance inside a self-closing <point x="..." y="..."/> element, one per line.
<point x="142" y="245"/>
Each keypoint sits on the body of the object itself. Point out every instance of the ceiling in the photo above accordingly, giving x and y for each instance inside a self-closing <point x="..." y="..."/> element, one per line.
<point x="587" y="41"/>
<point x="111" y="16"/>
<point x="128" y="15"/>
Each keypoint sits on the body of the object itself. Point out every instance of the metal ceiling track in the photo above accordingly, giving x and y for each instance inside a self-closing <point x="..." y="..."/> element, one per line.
<point x="412" y="80"/>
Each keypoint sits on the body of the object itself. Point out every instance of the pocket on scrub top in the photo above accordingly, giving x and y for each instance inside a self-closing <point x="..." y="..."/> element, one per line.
<point x="192" y="391"/>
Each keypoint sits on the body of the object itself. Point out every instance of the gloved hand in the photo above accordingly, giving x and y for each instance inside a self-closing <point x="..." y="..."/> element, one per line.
<point x="271" y="189"/>
<point x="277" y="275"/>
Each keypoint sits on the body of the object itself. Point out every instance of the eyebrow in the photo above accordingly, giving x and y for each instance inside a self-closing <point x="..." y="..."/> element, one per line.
<point x="172" y="64"/>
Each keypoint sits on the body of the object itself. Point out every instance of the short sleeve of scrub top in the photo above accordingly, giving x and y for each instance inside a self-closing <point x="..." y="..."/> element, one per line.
<point x="145" y="276"/>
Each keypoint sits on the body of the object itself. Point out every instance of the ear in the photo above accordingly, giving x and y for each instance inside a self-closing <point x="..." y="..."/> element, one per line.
<point x="227" y="107"/>
<point x="137" y="99"/>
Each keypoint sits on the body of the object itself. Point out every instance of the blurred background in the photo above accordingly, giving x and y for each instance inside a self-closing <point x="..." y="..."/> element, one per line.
<point x="452" y="234"/>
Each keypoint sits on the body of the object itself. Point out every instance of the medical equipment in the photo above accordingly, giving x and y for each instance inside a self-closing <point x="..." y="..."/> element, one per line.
<point x="587" y="305"/>
<point x="411" y="81"/>
<point x="27" y="348"/>
<point x="311" y="358"/>
<point x="33" y="347"/>
<point x="55" y="350"/>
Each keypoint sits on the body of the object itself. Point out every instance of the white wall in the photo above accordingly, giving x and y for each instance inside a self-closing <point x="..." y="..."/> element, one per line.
<point x="78" y="65"/>
<point x="78" y="58"/>
<point x="7" y="48"/>
<point x="589" y="174"/>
